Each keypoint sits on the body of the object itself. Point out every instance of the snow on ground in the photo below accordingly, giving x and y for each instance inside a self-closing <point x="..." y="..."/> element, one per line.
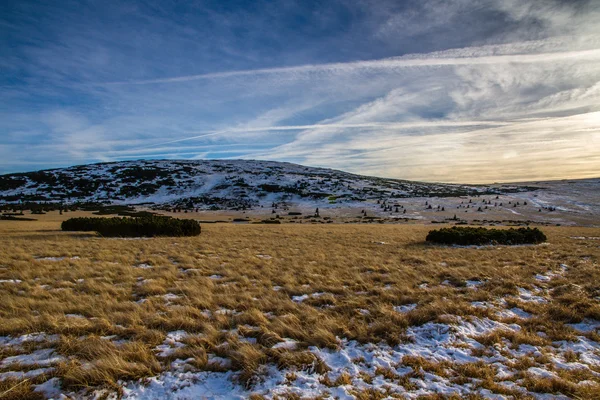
<point x="301" y="298"/>
<point x="57" y="258"/>
<point x="32" y="373"/>
<point x="7" y="341"/>
<point x="405" y="308"/>
<point x="42" y="357"/>
<point x="587" y="325"/>
<point x="10" y="281"/>
<point x="171" y="343"/>
<point x="453" y="343"/>
<point x="77" y="316"/>
<point x="143" y="266"/>
<point x="263" y="182"/>
<point x="529" y="296"/>
<point x="357" y="366"/>
<point x="289" y="344"/>
<point x="514" y="312"/>
<point x="437" y="342"/>
<point x="474" y="283"/>
<point x="169" y="297"/>
<point x="50" y="388"/>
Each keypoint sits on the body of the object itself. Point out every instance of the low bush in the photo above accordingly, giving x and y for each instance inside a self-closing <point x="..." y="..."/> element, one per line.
<point x="481" y="236"/>
<point x="134" y="227"/>
<point x="6" y="217"/>
<point x="271" y="221"/>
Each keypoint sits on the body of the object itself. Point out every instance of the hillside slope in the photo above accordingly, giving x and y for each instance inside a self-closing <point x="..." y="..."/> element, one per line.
<point x="216" y="184"/>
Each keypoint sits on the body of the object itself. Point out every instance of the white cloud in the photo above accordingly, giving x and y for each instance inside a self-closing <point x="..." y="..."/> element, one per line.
<point x="451" y="58"/>
<point x="516" y="97"/>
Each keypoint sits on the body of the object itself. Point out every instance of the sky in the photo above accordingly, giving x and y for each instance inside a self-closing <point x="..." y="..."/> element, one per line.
<point x="472" y="91"/>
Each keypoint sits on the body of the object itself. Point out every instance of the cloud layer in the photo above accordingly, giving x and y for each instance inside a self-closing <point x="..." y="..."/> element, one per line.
<point x="454" y="91"/>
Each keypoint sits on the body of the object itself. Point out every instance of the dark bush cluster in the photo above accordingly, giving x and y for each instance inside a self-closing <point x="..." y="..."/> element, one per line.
<point x="481" y="236"/>
<point x="134" y="227"/>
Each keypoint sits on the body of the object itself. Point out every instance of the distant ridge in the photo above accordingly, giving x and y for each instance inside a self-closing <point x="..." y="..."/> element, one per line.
<point x="216" y="184"/>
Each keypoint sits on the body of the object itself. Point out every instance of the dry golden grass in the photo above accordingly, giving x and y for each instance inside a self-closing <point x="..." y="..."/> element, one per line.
<point x="233" y="289"/>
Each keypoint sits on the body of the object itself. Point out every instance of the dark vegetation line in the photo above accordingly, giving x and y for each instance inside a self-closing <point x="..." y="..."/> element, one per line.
<point x="134" y="227"/>
<point x="481" y="236"/>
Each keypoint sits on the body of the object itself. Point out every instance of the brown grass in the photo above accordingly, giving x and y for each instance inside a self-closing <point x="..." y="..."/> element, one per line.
<point x="342" y="264"/>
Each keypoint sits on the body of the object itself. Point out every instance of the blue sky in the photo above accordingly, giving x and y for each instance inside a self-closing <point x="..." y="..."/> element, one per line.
<point x="436" y="90"/>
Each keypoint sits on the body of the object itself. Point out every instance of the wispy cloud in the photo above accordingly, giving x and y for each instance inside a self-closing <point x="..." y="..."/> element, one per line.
<point x="529" y="150"/>
<point x="460" y="90"/>
<point x="379" y="126"/>
<point x="412" y="61"/>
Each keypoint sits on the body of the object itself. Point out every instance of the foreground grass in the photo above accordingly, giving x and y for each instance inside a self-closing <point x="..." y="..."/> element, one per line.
<point x="239" y="294"/>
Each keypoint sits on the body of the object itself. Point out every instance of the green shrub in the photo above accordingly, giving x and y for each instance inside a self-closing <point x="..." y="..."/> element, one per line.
<point x="481" y="236"/>
<point x="270" y="221"/>
<point x="134" y="227"/>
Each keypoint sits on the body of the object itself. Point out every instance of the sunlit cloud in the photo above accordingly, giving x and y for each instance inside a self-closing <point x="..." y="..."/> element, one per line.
<point x="456" y="91"/>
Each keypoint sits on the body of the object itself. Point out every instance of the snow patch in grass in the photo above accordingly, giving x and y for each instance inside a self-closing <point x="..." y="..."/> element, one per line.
<point x="171" y="343"/>
<point x="289" y="344"/>
<point x="227" y="311"/>
<point x="79" y="316"/>
<point x="514" y="312"/>
<point x="219" y="361"/>
<point x="482" y="304"/>
<point x="41" y="358"/>
<point x="8" y="341"/>
<point x="25" y="374"/>
<point x="588" y="350"/>
<point x="57" y="258"/>
<point x="587" y="325"/>
<point x="300" y="299"/>
<point x="169" y="297"/>
<point x="50" y="388"/>
<point x="528" y="296"/>
<point x="452" y="342"/>
<point x="189" y="270"/>
<point x="543" y="278"/>
<point x="186" y="385"/>
<point x="437" y="342"/>
<point x="473" y="284"/>
<point x="541" y="373"/>
<point x="405" y="308"/>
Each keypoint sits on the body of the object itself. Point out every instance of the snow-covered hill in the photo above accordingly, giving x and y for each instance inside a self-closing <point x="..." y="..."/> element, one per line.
<point x="216" y="184"/>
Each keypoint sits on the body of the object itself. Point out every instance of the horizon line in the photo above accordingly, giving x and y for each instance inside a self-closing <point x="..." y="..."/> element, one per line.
<point x="302" y="165"/>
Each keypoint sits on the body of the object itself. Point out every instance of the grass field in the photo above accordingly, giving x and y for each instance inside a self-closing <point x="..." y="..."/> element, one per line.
<point x="296" y="311"/>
